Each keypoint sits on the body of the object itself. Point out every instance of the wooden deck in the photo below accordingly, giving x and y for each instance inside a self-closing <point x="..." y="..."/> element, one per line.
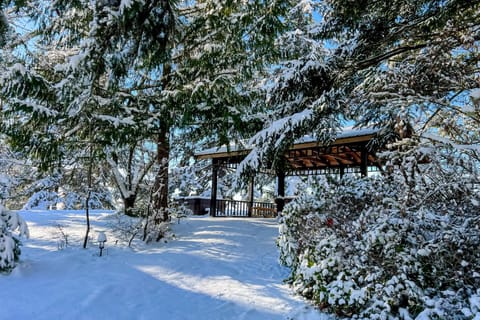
<point x="230" y="208"/>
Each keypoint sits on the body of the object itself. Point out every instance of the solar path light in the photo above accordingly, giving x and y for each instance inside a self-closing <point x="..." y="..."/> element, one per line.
<point x="102" y="238"/>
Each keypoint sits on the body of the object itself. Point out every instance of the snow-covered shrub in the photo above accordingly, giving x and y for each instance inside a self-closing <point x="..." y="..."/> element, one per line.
<point x="12" y="227"/>
<point x="43" y="200"/>
<point x="362" y="248"/>
<point x="126" y="228"/>
<point x="155" y="228"/>
<point x="154" y="231"/>
<point x="177" y="210"/>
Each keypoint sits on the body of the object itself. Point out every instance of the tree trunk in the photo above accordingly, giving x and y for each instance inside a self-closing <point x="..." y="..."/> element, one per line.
<point x="89" y="193"/>
<point x="160" y="195"/>
<point x="160" y="187"/>
<point x="129" y="204"/>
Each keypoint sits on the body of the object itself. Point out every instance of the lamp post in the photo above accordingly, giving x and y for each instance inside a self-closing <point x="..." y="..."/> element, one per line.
<point x="102" y="238"/>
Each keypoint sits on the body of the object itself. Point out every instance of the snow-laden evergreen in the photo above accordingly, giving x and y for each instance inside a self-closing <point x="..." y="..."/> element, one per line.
<point x="387" y="247"/>
<point x="404" y="67"/>
<point x="74" y="100"/>
<point x="12" y="228"/>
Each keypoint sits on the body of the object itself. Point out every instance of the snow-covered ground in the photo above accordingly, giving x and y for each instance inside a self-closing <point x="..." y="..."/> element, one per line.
<point x="214" y="269"/>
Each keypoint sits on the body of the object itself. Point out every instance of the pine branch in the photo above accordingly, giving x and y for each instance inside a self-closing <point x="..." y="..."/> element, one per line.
<point x="373" y="61"/>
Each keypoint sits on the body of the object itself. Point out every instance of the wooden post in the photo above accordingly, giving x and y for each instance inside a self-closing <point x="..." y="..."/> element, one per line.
<point x="213" y="197"/>
<point x="342" y="171"/>
<point x="364" y="163"/>
<point x="280" y="190"/>
<point x="251" y="189"/>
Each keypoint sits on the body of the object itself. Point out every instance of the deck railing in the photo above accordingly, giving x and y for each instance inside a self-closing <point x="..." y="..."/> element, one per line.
<point x="236" y="208"/>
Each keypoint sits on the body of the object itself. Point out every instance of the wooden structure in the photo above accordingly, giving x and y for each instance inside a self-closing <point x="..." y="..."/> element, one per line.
<point x="350" y="152"/>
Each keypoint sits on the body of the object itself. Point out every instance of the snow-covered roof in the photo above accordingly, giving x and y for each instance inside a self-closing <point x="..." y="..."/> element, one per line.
<point x="346" y="134"/>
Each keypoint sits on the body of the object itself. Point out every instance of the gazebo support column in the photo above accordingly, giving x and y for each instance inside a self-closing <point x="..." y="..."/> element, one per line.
<point x="213" y="196"/>
<point x="251" y="186"/>
<point x="280" y="190"/>
<point x="342" y="171"/>
<point x="364" y="161"/>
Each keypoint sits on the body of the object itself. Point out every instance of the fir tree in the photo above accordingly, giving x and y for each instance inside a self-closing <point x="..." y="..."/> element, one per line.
<point x="81" y="90"/>
<point x="392" y="64"/>
<point x="12" y="227"/>
<point x="107" y="75"/>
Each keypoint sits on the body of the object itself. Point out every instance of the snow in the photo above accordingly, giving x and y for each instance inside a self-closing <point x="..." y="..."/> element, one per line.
<point x="446" y="140"/>
<point x="214" y="268"/>
<point x="475" y="94"/>
<point x="116" y="121"/>
<point x="19" y="68"/>
<point x="346" y="132"/>
<point x="125" y="4"/>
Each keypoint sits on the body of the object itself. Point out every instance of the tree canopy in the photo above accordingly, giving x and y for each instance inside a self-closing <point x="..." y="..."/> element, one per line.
<point x="117" y="74"/>
<point x="392" y="65"/>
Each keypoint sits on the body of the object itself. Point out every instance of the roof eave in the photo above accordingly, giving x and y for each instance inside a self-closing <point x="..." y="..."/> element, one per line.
<point x="296" y="146"/>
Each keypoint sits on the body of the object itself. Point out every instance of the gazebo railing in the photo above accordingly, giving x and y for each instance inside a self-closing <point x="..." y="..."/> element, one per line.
<point x="237" y="208"/>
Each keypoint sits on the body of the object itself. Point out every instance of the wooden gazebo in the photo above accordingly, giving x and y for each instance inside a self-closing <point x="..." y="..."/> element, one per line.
<point x="350" y="152"/>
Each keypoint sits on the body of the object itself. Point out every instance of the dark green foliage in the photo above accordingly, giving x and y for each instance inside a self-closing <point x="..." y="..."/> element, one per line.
<point x="10" y="223"/>
<point x="79" y="76"/>
<point x="3" y="29"/>
<point x="389" y="64"/>
<point x="225" y="47"/>
<point x="356" y="248"/>
<point x="7" y="264"/>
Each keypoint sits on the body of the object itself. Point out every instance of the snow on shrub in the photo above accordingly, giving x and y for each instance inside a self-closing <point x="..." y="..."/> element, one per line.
<point x="357" y="249"/>
<point x="45" y="200"/>
<point x="12" y="227"/>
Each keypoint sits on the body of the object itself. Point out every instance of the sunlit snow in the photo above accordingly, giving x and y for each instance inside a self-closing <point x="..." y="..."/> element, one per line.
<point x="215" y="268"/>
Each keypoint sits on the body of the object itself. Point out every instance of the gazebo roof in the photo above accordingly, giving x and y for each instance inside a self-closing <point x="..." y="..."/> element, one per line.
<point x="348" y="152"/>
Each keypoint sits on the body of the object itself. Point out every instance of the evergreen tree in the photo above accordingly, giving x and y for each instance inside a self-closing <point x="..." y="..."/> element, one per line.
<point x="87" y="82"/>
<point x="409" y="68"/>
<point x="225" y="52"/>
<point x="393" y="65"/>
<point x="10" y="222"/>
<point x="130" y="167"/>
<point x="105" y="75"/>
<point x="12" y="227"/>
<point x="222" y="55"/>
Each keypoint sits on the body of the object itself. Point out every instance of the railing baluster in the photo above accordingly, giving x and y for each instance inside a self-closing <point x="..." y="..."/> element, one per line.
<point x="233" y="208"/>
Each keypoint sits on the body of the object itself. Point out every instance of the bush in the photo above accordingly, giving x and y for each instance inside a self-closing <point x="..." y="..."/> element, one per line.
<point x="10" y="222"/>
<point x="366" y="249"/>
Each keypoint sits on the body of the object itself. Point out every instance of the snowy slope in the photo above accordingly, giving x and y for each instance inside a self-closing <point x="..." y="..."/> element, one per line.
<point x="214" y="269"/>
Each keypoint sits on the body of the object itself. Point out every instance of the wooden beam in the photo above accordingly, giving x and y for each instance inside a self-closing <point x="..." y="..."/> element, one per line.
<point x="317" y="162"/>
<point x="232" y="154"/>
<point x="213" y="196"/>
<point x="355" y="157"/>
<point x="251" y="191"/>
<point x="343" y="159"/>
<point x="341" y="141"/>
<point x="307" y="163"/>
<point x="371" y="158"/>
<point x="280" y="201"/>
<point x="332" y="161"/>
<point x="364" y="162"/>
<point x="307" y="145"/>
